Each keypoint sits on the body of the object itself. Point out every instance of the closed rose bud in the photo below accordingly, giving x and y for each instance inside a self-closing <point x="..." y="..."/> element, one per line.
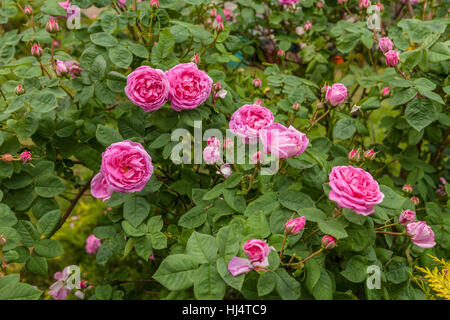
<point x="258" y="157"/>
<point x="36" y="50"/>
<point x="154" y="4"/>
<point x="295" y="226"/>
<point x="385" y="91"/>
<point x="329" y="242"/>
<point x="421" y="234"/>
<point x="7" y="157"/>
<point x="385" y="44"/>
<point x="407" y="216"/>
<point x="280" y="53"/>
<point x="295" y="107"/>
<point x="407" y="188"/>
<point x="380" y="6"/>
<point x="225" y="170"/>
<point x="83" y="284"/>
<point x="364" y="3"/>
<point x="219" y="26"/>
<point x="2" y="240"/>
<point x="319" y="5"/>
<point x="213" y="13"/>
<point x="354" y="155"/>
<point x="369" y="154"/>
<point x="257" y="83"/>
<point x="211" y="155"/>
<point x="195" y="59"/>
<point x="28" y="11"/>
<point x="52" y="26"/>
<point x="228" y="144"/>
<point x="258" y="102"/>
<point x="391" y="58"/>
<point x="25" y="156"/>
<point x="336" y="94"/>
<point x="308" y="25"/>
<point x="19" y="90"/>
<point x="415" y="200"/>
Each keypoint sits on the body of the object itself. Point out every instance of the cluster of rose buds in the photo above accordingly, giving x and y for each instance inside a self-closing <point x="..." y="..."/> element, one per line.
<point x="391" y="56"/>
<point x="24" y="157"/>
<point x="355" y="156"/>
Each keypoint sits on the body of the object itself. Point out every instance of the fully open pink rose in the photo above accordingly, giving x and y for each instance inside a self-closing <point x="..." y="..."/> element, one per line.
<point x="355" y="189"/>
<point x="385" y="44"/>
<point x="295" y="226"/>
<point x="257" y="250"/>
<point x="126" y="166"/>
<point x="100" y="188"/>
<point x="283" y="142"/>
<point x="336" y="94"/>
<point x="148" y="88"/>
<point x="189" y="86"/>
<point x="288" y="1"/>
<point x="421" y="234"/>
<point x="248" y="120"/>
<point x="92" y="244"/>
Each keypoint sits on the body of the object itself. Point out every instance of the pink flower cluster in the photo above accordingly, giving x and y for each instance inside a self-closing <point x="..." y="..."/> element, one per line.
<point x="126" y="167"/>
<point x="258" y="253"/>
<point x="391" y="56"/>
<point x="61" y="289"/>
<point x="184" y="85"/>
<point x="92" y="244"/>
<point x="71" y="67"/>
<point x="355" y="189"/>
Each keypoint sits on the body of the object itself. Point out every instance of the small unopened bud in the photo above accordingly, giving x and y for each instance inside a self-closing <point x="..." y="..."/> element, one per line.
<point x="83" y="284"/>
<point x="324" y="89"/>
<point x="415" y="200"/>
<point x="7" y="157"/>
<point x="25" y="156"/>
<point x="195" y="59"/>
<point x="52" y="26"/>
<point x="385" y="91"/>
<point x="280" y="53"/>
<point x="213" y="13"/>
<point x="258" y="102"/>
<point x="217" y="86"/>
<point x="2" y="240"/>
<point x="329" y="242"/>
<point x="319" y="5"/>
<point x="257" y="83"/>
<point x="36" y="50"/>
<point x="258" y="157"/>
<point x="228" y="144"/>
<point x="19" y="90"/>
<point x="319" y="105"/>
<point x="219" y="27"/>
<point x="28" y="11"/>
<point x="369" y="154"/>
<point x="354" y="155"/>
<point x="295" y="106"/>
<point x="154" y="4"/>
<point x="407" y="188"/>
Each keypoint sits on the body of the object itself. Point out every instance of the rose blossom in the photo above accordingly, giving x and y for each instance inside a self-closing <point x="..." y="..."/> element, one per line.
<point x="25" y="156"/>
<point x="225" y="170"/>
<point x="288" y="1"/>
<point x="59" y="290"/>
<point x="189" y="86"/>
<point x="385" y="44"/>
<point x="148" y="88"/>
<point x="211" y="155"/>
<point x="355" y="189"/>
<point x="336" y="94"/>
<point x="100" y="188"/>
<point x="283" y="142"/>
<point x="407" y="216"/>
<point x="214" y="142"/>
<point x="391" y="58"/>
<point x="92" y="244"/>
<point x="248" y="120"/>
<point x="258" y="252"/>
<point x="258" y="157"/>
<point x="308" y="25"/>
<point x="421" y="234"/>
<point x="328" y="242"/>
<point x="126" y="166"/>
<point x="295" y="226"/>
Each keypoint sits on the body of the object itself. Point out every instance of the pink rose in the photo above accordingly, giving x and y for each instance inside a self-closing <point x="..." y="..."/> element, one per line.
<point x="355" y="189"/>
<point x="214" y="142"/>
<point x="59" y="291"/>
<point x="364" y="3"/>
<point x="283" y="142"/>
<point x="415" y="200"/>
<point x="148" y="88"/>
<point x="211" y="155"/>
<point x="407" y="188"/>
<point x="407" y="216"/>
<point x="354" y="155"/>
<point x="257" y="83"/>
<point x="257" y="250"/>
<point x="25" y="156"/>
<point x="65" y="4"/>
<point x="336" y="94"/>
<point x="92" y="244"/>
<point x="385" y="44"/>
<point x="288" y="1"/>
<point x="100" y="188"/>
<point x="329" y="242"/>
<point x="308" y="25"/>
<point x="391" y="58"/>
<point x="126" y="166"/>
<point x="225" y="170"/>
<point x="189" y="86"/>
<point x="295" y="226"/>
<point x="385" y="91"/>
<point x="248" y="120"/>
<point x="258" y="157"/>
<point x="421" y="234"/>
<point x="36" y="50"/>
<point x="238" y="266"/>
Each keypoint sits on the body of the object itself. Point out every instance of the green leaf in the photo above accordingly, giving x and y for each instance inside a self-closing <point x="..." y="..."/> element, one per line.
<point x="48" y="248"/>
<point x="159" y="240"/>
<point x="344" y="129"/>
<point x="392" y="199"/>
<point x="208" y="285"/>
<point x="135" y="210"/>
<point x="107" y="135"/>
<point x="103" y="39"/>
<point x="120" y="56"/>
<point x="103" y="292"/>
<point x="324" y="288"/>
<point x="155" y="224"/>
<point x="7" y="217"/>
<point x="420" y="113"/>
<point x="266" y="283"/>
<point x="397" y="270"/>
<point x="48" y="222"/>
<point x="287" y="287"/>
<point x="355" y="271"/>
<point x="138" y="50"/>
<point x="44" y="102"/>
<point x="37" y="265"/>
<point x="295" y="200"/>
<point x="19" y="291"/>
<point x="176" y="272"/>
<point x="12" y="238"/>
<point x="27" y="232"/>
<point x="194" y="218"/>
<point x="227" y="242"/>
<point x="143" y="247"/>
<point x="312" y="274"/>
<point x="48" y="186"/>
<point x="201" y="247"/>
<point x="215" y="192"/>
<point x="332" y="227"/>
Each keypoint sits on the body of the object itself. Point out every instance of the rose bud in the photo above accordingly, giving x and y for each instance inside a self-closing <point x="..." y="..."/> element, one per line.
<point x="364" y="3"/>
<point x="257" y="83"/>
<point x="258" y="157"/>
<point x="391" y="58"/>
<point x="407" y="216"/>
<point x="258" y="102"/>
<point x="354" y="155"/>
<point x="308" y="25"/>
<point x="336" y="94"/>
<point x="415" y="200"/>
<point x="280" y="53"/>
<point x="385" y="44"/>
<point x="28" y="11"/>
<point x="195" y="59"/>
<point x="52" y="26"/>
<point x="83" y="284"/>
<point x="7" y="157"/>
<point x="319" y="5"/>
<point x="213" y="13"/>
<point x="225" y="170"/>
<point x="214" y="142"/>
<point x="154" y="4"/>
<point x="385" y="91"/>
<point x="295" y="106"/>
<point x="25" y="156"/>
<point x="211" y="155"/>
<point x="19" y="90"/>
<point x="369" y="154"/>
<point x="228" y="144"/>
<point x="421" y="234"/>
<point x="328" y="242"/>
<point x="407" y="188"/>
<point x="36" y="50"/>
<point x="2" y="240"/>
<point x="295" y="226"/>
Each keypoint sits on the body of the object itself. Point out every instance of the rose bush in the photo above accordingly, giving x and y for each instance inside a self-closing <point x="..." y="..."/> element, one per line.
<point x="345" y="101"/>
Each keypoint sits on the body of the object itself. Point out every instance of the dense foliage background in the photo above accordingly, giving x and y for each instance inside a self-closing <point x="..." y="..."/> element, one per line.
<point x="175" y="238"/>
